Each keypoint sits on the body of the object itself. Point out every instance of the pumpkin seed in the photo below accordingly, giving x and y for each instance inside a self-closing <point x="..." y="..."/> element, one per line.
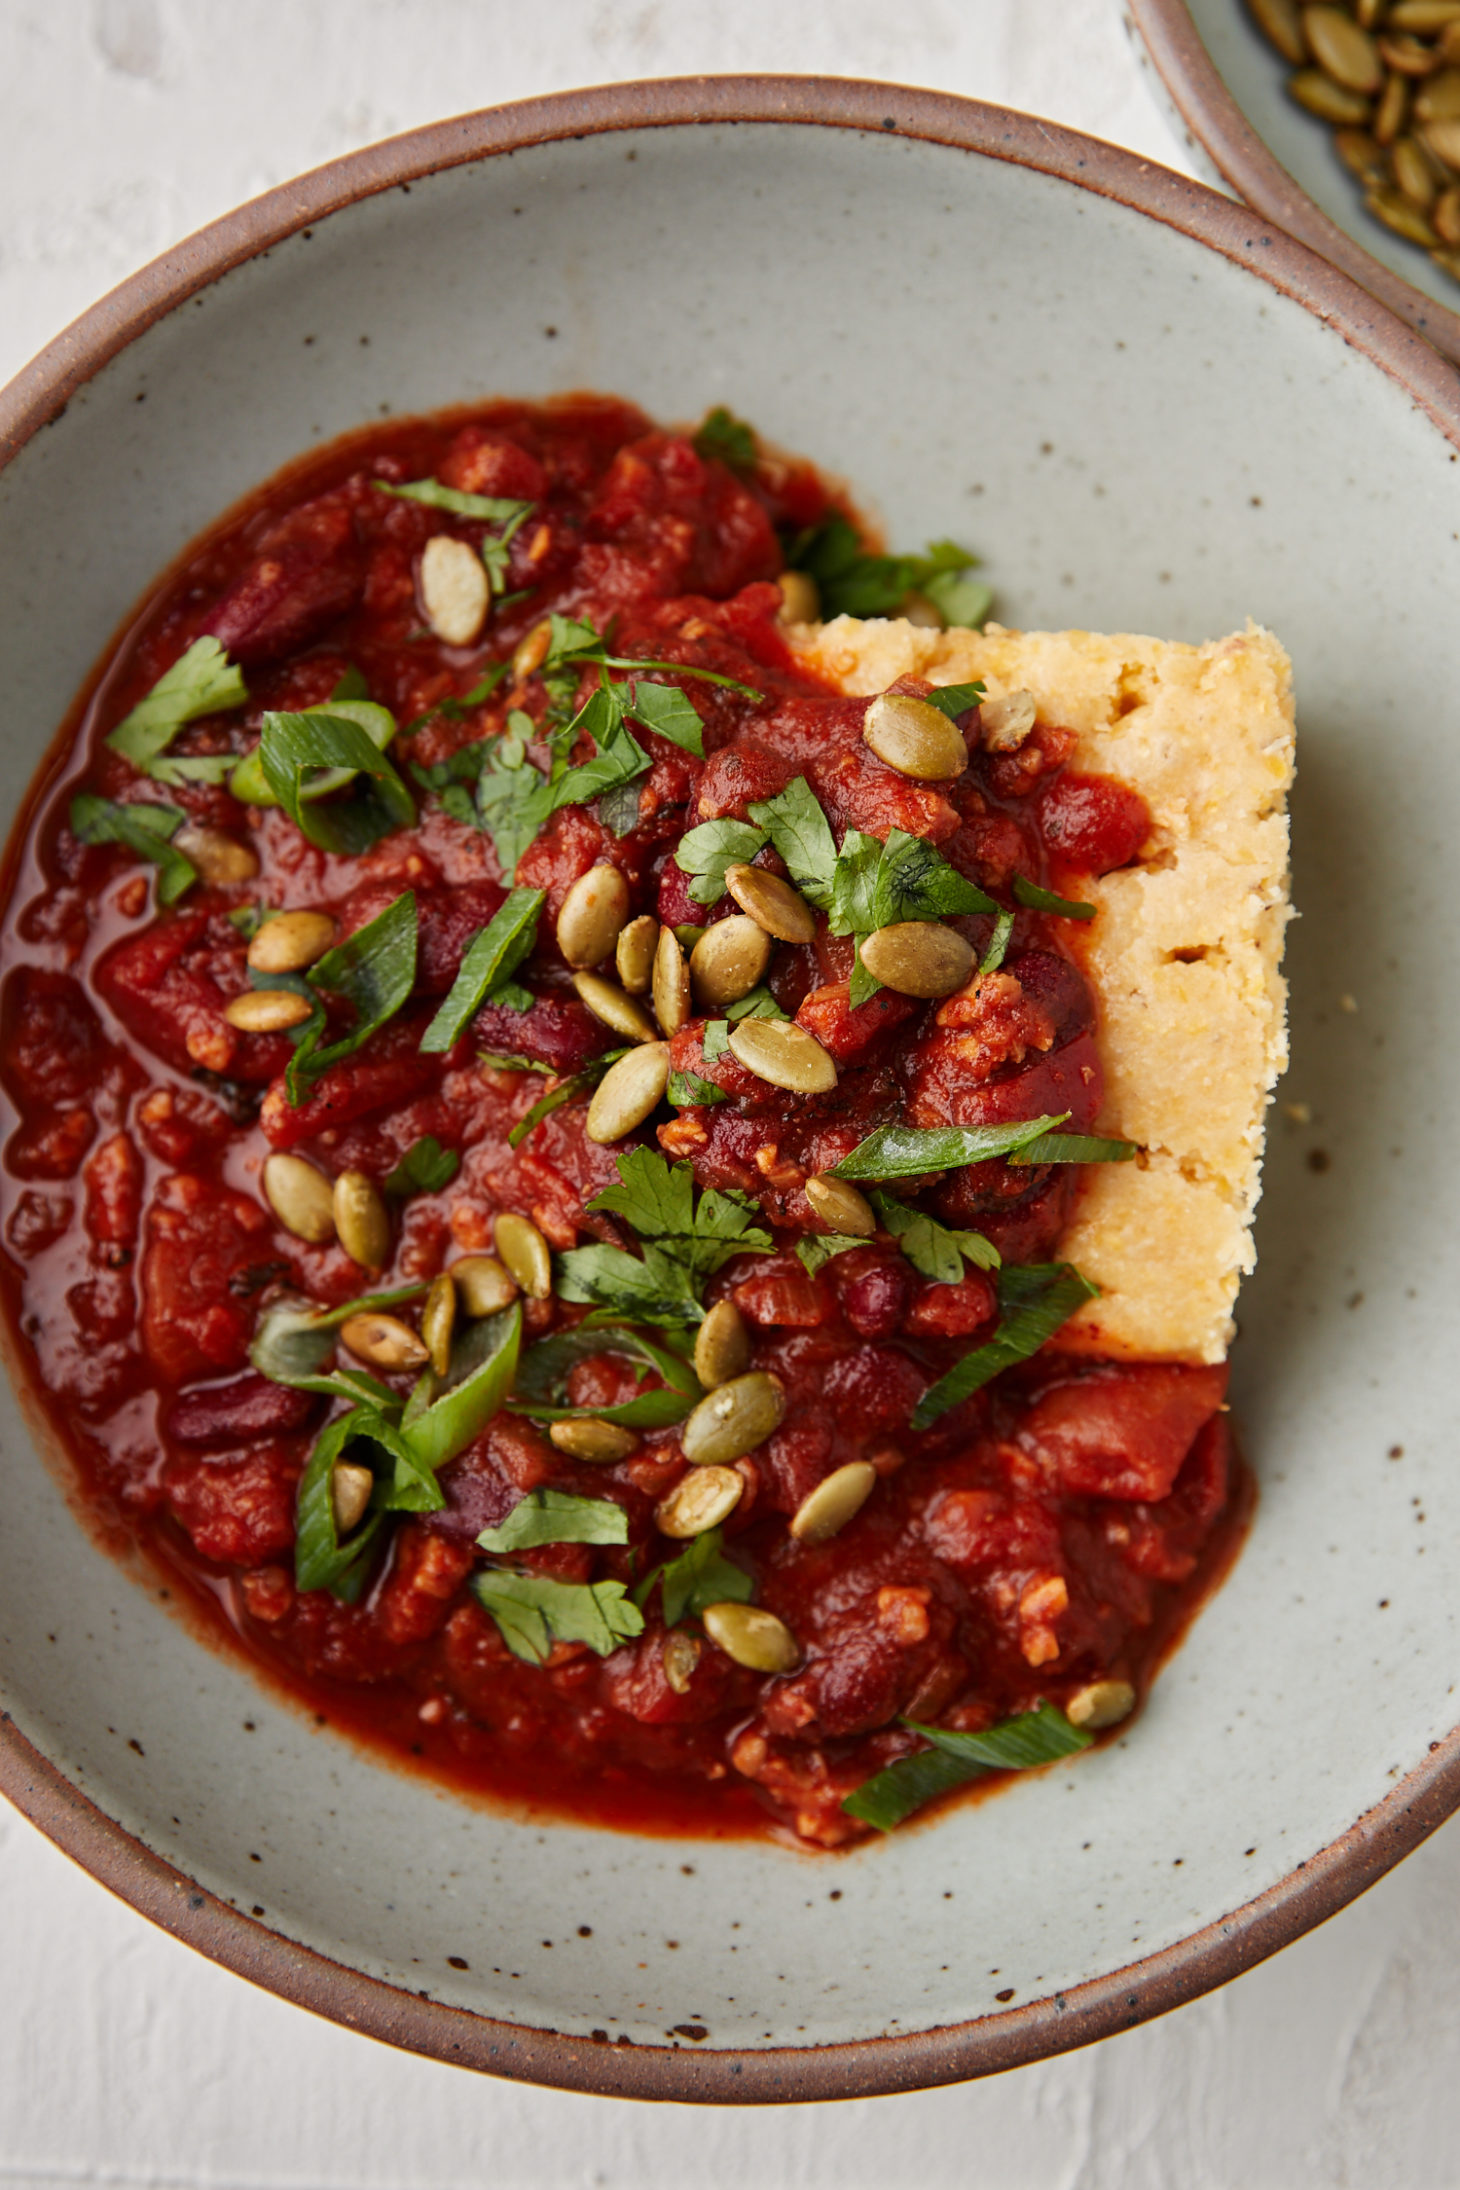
<point x="1424" y="15"/>
<point x="592" y="917"/>
<point x="835" y="1501"/>
<point x="1414" y="174"/>
<point x="1392" y="112"/>
<point x="1360" y="154"/>
<point x="1283" y="25"/>
<point x="1006" y="722"/>
<point x="700" y="1500"/>
<point x="383" y="1341"/>
<point x="687" y="934"/>
<point x="219" y="858"/>
<point x="918" y="958"/>
<point x="531" y="652"/>
<point x="800" y="601"/>
<point x="1101" y="1703"/>
<point x="350" y="1488"/>
<point x="627" y="1093"/>
<point x="771" y="903"/>
<point x="634" y="953"/>
<point x="752" y="1637"/>
<point x="840" y="1207"/>
<point x="1443" y="139"/>
<point x="526" y="1254"/>
<point x="917" y="740"/>
<point x="454" y="590"/>
<point x="301" y="1198"/>
<point x="586" y="1438"/>
<point x="1439" y="99"/>
<point x="1342" y="49"/>
<point x="722" y="1345"/>
<point x="291" y="941"/>
<point x="670" y="983"/>
<point x="267" y="1011"/>
<point x="483" y="1286"/>
<point x="1328" y="100"/>
<point x="729" y="960"/>
<point x="1445" y="216"/>
<point x="679" y="1657"/>
<point x="614" y="1008"/>
<point x="784" y="1055"/>
<point x="438" y="1321"/>
<point x="1408" y="56"/>
<point x="362" y="1220"/>
<point x="733" y="1419"/>
<point x="1399" y="215"/>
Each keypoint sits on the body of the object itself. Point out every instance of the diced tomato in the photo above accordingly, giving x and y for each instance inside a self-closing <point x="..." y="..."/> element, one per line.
<point x="1122" y="1432"/>
<point x="200" y="1236"/>
<point x="308" y="571"/>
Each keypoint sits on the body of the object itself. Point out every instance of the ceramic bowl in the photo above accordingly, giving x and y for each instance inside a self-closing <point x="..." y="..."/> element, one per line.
<point x="1152" y="413"/>
<point x="1223" y="86"/>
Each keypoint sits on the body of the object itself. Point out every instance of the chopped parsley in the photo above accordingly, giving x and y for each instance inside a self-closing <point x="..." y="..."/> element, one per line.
<point x="1038" y="900"/>
<point x="686" y="1089"/>
<point x="699" y="1577"/>
<point x="557" y="1517"/>
<point x="685" y="1241"/>
<point x="203" y="681"/>
<point x="1034" y="1299"/>
<point x="852" y="582"/>
<point x="726" y="437"/>
<point x="907" y="1151"/>
<point x="542" y="1379"/>
<point x="424" y="1168"/>
<point x="532" y="1613"/>
<point x="933" y="1250"/>
<point x="145" y="830"/>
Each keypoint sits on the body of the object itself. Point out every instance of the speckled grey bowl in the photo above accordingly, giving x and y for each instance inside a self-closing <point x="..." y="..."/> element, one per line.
<point x="1153" y="414"/>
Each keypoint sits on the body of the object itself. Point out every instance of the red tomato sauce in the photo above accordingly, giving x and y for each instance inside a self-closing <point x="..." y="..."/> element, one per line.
<point x="1053" y="1530"/>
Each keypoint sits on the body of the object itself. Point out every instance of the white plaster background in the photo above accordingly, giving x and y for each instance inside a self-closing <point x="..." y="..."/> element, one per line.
<point x="125" y="2059"/>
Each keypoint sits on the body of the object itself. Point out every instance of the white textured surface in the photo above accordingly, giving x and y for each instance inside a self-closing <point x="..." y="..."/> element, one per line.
<point x="123" y="124"/>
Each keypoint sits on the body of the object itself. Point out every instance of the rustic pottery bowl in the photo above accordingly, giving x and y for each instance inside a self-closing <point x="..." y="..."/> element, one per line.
<point x="1153" y="413"/>
<point x="1224" y="89"/>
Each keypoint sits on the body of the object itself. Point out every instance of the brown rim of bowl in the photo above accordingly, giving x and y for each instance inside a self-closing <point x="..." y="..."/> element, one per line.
<point x="1217" y="123"/>
<point x="1099" y="2008"/>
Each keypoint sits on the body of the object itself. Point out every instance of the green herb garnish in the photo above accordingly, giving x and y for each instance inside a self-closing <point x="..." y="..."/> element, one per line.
<point x="671" y="713"/>
<point x="542" y="1379"/>
<point x="801" y="833"/>
<point x="424" y="1168"/>
<point x="556" y="1517"/>
<point x="375" y="970"/>
<point x="932" y="1249"/>
<point x="292" y="747"/>
<point x="705" y="852"/>
<point x="993" y="957"/>
<point x="685" y="1241"/>
<point x="145" y="830"/>
<point x="202" y="681"/>
<point x="1038" y="900"/>
<point x="566" y="1091"/>
<point x="532" y="1613"/>
<point x="1035" y="1299"/>
<point x="1040" y="1736"/>
<point x="954" y="699"/>
<point x="816" y="1249"/>
<point x="686" y="1089"/>
<point x="492" y="957"/>
<point x="852" y="582"/>
<point x="294" y="1338"/>
<point x="699" y="1577"/>
<point x="727" y="437"/>
<point x="1074" y="1148"/>
<point x="907" y="1151"/>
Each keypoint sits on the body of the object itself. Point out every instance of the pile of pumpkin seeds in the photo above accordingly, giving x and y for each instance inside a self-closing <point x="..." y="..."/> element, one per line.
<point x="1386" y="75"/>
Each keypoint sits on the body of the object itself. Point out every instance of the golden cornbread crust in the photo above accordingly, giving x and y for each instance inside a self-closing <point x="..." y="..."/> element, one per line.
<point x="1183" y="953"/>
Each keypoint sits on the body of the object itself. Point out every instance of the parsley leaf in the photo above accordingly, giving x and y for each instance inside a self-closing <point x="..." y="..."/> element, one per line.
<point x="574" y="643"/>
<point x="954" y="700"/>
<point x="202" y="681"/>
<point x="801" y="833"/>
<point x="1038" y="900"/>
<point x="532" y="1613"/>
<point x="1075" y="1148"/>
<point x="490" y="509"/>
<point x="993" y="957"/>
<point x="424" y="1168"/>
<point x="375" y="970"/>
<point x="685" y="1242"/>
<point x="670" y="712"/>
<point x="915" y="882"/>
<point x="1035" y="1737"/>
<point x="515" y="802"/>
<point x="816" y="1249"/>
<point x="293" y="745"/>
<point x="699" y="1577"/>
<point x="557" y="1517"/>
<point x="687" y="1089"/>
<point x="906" y="1151"/>
<point x="453" y="710"/>
<point x="1036" y="1298"/>
<point x="617" y="756"/>
<point x="492" y="957"/>
<point x="542" y="1379"/>
<point x="854" y="884"/>
<point x="932" y="1249"/>
<point x="707" y="851"/>
<point x="145" y="830"/>
<point x="727" y="437"/>
<point x="853" y="582"/>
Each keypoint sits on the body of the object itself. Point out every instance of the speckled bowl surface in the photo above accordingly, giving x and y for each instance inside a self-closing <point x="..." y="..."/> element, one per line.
<point x="1151" y="413"/>
<point x="1224" y="87"/>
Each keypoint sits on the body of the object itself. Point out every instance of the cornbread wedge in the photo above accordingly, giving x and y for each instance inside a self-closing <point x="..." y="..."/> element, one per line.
<point x="1183" y="953"/>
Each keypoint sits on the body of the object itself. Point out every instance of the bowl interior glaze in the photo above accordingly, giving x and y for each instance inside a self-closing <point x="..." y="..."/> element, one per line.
<point x="1140" y="434"/>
